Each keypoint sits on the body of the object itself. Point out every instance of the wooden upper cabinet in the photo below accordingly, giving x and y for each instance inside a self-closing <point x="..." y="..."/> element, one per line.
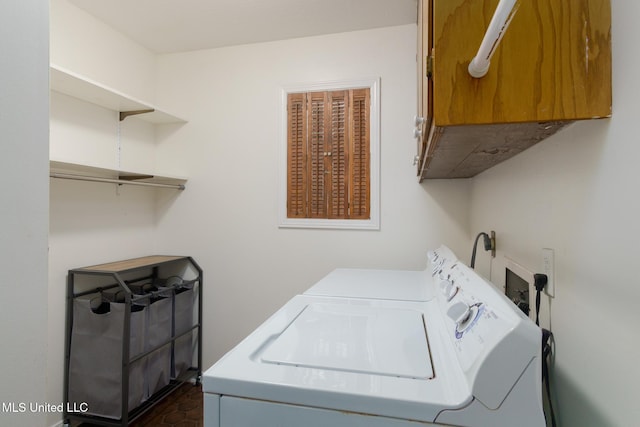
<point x="553" y="67"/>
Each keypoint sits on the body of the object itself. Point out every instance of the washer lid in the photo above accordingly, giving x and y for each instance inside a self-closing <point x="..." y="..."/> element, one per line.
<point x="352" y="338"/>
<point x="375" y="284"/>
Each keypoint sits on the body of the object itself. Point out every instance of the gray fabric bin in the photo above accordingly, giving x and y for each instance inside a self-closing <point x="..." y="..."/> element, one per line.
<point x="159" y="332"/>
<point x="158" y="327"/>
<point x="95" y="364"/>
<point x="184" y="347"/>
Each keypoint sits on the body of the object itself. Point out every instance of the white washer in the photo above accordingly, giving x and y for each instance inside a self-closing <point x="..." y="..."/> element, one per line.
<point x="465" y="358"/>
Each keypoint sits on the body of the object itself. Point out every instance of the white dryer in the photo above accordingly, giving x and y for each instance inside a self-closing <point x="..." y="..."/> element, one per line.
<point x="402" y="285"/>
<point x="466" y="357"/>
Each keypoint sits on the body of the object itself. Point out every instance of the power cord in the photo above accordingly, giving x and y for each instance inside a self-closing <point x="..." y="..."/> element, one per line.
<point x="547" y="338"/>
<point x="489" y="245"/>
<point x="540" y="281"/>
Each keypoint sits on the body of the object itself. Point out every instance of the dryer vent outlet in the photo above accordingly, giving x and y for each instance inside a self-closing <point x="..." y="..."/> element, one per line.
<point x="519" y="287"/>
<point x="518" y="291"/>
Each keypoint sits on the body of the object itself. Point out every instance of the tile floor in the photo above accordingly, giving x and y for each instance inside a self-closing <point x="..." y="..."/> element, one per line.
<point x="182" y="408"/>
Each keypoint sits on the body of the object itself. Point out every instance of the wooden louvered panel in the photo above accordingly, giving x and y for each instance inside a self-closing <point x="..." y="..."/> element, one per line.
<point x="297" y="171"/>
<point x="338" y="155"/>
<point x="328" y="155"/>
<point x="316" y="110"/>
<point x="360" y="139"/>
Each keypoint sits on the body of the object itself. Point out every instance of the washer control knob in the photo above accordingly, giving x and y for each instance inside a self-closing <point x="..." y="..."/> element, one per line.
<point x="453" y="291"/>
<point x="444" y="273"/>
<point x="459" y="313"/>
<point x="444" y="285"/>
<point x="449" y="289"/>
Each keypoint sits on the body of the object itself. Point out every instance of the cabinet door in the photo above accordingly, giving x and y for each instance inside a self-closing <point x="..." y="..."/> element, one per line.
<point x="425" y="82"/>
<point x="553" y="63"/>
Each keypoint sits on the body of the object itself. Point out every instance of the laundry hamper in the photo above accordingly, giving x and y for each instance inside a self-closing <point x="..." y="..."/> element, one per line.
<point x="95" y="364"/>
<point x="120" y="351"/>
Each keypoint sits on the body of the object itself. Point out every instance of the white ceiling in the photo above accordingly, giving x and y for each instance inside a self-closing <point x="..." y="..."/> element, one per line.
<point x="165" y="26"/>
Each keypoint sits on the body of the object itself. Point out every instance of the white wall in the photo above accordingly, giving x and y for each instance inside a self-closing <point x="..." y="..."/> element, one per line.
<point x="227" y="217"/>
<point x="576" y="193"/>
<point x="86" y="46"/>
<point x="24" y="109"/>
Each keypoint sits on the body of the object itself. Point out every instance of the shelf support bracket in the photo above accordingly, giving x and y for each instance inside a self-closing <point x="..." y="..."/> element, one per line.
<point x="125" y="114"/>
<point x="134" y="177"/>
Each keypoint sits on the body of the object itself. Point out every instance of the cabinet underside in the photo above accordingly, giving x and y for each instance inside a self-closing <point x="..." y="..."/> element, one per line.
<point x="466" y="150"/>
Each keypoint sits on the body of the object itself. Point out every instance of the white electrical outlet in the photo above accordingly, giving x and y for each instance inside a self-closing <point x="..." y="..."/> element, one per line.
<point x="548" y="269"/>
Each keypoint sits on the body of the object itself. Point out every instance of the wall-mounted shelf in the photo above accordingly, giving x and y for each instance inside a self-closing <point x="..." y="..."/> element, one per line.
<point x="95" y="165"/>
<point x="72" y="84"/>
<point x="74" y="171"/>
